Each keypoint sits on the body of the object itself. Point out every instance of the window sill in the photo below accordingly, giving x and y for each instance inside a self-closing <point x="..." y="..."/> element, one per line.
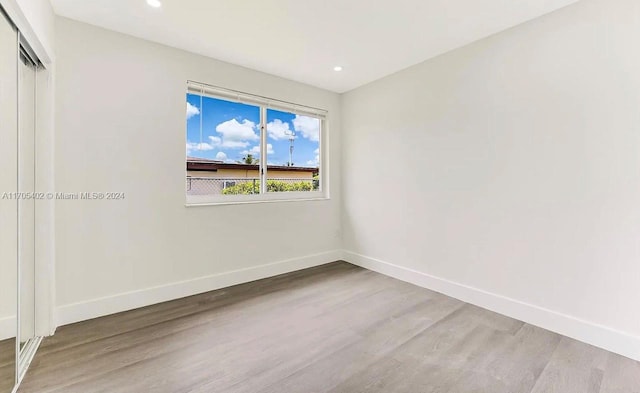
<point x="286" y="198"/>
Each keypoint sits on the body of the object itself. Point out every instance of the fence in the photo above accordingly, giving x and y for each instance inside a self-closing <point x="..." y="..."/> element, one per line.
<point x="246" y="185"/>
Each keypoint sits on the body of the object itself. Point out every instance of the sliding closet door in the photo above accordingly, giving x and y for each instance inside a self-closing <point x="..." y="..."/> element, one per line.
<point x="8" y="204"/>
<point x="26" y="186"/>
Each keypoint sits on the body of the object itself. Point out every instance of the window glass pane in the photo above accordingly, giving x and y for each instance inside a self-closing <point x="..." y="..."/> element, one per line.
<point x="293" y="152"/>
<point x="223" y="147"/>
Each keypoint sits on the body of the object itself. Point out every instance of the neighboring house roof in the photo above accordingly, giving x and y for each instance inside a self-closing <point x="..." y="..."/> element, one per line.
<point x="202" y="164"/>
<point x="198" y="159"/>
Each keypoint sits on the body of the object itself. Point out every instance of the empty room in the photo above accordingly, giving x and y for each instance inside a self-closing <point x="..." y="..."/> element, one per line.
<point x="319" y="196"/>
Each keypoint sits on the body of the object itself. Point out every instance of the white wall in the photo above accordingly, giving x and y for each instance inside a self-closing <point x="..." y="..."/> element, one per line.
<point x="511" y="166"/>
<point x="120" y="123"/>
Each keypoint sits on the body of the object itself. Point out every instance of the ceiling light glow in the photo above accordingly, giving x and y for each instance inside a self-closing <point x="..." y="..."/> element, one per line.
<point x="337" y="68"/>
<point x="154" y="3"/>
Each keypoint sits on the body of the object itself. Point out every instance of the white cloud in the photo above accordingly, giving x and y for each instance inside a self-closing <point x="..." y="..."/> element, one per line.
<point x="309" y="127"/>
<point x="215" y="141"/>
<point x="192" y="111"/>
<point x="278" y="130"/>
<point x="255" y="151"/>
<point x="222" y="156"/>
<point x="237" y="135"/>
<point x="234" y="144"/>
<point x="315" y="162"/>
<point x="191" y="146"/>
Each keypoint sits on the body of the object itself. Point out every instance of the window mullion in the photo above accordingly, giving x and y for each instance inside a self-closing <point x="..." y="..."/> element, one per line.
<point x="263" y="150"/>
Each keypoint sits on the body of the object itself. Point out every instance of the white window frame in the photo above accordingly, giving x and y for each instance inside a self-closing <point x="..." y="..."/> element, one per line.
<point x="265" y="103"/>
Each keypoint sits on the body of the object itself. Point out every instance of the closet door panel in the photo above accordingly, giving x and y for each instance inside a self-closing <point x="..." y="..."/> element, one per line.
<point x="8" y="203"/>
<point x="26" y="206"/>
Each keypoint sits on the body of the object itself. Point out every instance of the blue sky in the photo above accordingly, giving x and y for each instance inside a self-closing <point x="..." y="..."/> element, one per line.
<point x="231" y="130"/>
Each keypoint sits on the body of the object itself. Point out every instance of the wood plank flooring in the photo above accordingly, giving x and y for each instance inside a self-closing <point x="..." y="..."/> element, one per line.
<point x="7" y="364"/>
<point x="335" y="328"/>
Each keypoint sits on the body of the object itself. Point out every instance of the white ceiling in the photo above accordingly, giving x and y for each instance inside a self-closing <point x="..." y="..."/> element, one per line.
<point x="303" y="40"/>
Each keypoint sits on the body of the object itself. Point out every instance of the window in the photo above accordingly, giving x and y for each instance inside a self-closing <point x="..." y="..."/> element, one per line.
<point x="296" y="139"/>
<point x="243" y="148"/>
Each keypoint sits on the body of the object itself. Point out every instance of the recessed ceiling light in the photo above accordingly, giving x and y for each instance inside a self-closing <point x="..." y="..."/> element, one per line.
<point x="154" y="3"/>
<point x="337" y="68"/>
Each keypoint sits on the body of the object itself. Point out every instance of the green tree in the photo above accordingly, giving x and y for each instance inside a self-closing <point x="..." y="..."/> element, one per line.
<point x="249" y="159"/>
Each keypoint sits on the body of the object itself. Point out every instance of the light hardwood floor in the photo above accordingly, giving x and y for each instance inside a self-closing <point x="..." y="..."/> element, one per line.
<point x="7" y="364"/>
<point x="335" y="328"/>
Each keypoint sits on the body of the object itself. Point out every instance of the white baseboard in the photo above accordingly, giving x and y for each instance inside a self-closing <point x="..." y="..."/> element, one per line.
<point x="7" y="327"/>
<point x="591" y="333"/>
<point x="94" y="308"/>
